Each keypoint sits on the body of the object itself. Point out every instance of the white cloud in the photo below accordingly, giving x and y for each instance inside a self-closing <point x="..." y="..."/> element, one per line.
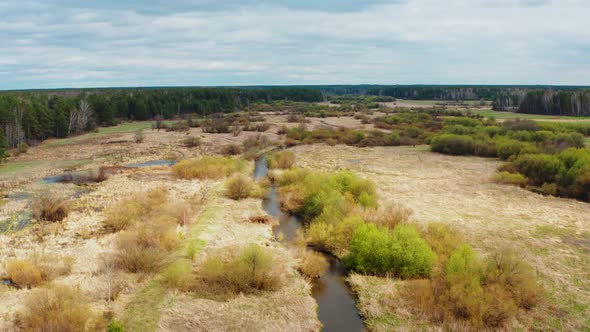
<point x="415" y="41"/>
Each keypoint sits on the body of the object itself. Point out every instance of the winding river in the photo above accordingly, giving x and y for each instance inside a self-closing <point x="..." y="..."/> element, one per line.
<point x="336" y="302"/>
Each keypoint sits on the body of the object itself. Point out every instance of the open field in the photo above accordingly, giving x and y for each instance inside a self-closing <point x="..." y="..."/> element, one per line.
<point x="143" y="303"/>
<point x="550" y="233"/>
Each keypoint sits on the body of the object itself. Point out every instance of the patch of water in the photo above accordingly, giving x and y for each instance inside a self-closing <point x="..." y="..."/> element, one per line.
<point x="16" y="222"/>
<point x="153" y="163"/>
<point x="19" y="196"/>
<point x="54" y="179"/>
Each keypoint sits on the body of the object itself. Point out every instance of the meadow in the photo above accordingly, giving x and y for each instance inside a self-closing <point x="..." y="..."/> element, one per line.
<point x="158" y="248"/>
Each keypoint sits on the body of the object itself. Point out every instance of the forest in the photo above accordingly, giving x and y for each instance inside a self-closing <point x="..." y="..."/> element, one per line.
<point x="27" y="116"/>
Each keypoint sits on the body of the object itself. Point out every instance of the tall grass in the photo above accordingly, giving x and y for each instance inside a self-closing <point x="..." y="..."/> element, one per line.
<point x="139" y="207"/>
<point x="248" y="270"/>
<point x="208" y="168"/>
<point x="57" y="308"/>
<point x="282" y="160"/>
<point x="48" y="206"/>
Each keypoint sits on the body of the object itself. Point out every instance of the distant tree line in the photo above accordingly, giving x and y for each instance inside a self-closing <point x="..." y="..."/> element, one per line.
<point x="37" y="115"/>
<point x="550" y="102"/>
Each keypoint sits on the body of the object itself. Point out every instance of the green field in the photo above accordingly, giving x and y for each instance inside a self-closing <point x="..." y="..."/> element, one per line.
<point x="512" y="115"/>
<point x="13" y="168"/>
<point x="127" y="127"/>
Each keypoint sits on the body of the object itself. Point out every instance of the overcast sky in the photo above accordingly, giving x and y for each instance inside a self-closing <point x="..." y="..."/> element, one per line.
<point x="72" y="43"/>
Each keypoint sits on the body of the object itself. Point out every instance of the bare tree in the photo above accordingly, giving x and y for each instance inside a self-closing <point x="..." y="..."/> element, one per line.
<point x="79" y="118"/>
<point x="108" y="269"/>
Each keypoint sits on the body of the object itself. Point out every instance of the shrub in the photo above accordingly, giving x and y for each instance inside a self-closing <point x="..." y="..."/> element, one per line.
<point x="139" y="136"/>
<point x="516" y="179"/>
<point x="442" y="239"/>
<point x="191" y="142"/>
<point x="453" y="144"/>
<point x="539" y="168"/>
<point x="257" y="141"/>
<point x="115" y="326"/>
<point x="482" y="293"/>
<point x="333" y="232"/>
<point x="178" y="126"/>
<point x="508" y="147"/>
<point x="377" y="250"/>
<point x="145" y="247"/>
<point x="312" y="264"/>
<point x="207" y="168"/>
<point x="22" y="147"/>
<point x="140" y="207"/>
<point x="252" y="270"/>
<point x="24" y="273"/>
<point x="57" y="308"/>
<point x="178" y="275"/>
<point x="239" y="187"/>
<point x="389" y="217"/>
<point x="231" y="150"/>
<point x="50" y="207"/>
<point x="282" y="160"/>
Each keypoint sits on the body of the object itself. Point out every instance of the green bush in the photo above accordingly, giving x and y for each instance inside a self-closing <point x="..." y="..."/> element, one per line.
<point x="22" y="147"/>
<point x="508" y="147"/>
<point x="539" y="168"/>
<point x="308" y="194"/>
<point x="453" y="144"/>
<point x="402" y="252"/>
<point x="115" y="326"/>
<point x="333" y="232"/>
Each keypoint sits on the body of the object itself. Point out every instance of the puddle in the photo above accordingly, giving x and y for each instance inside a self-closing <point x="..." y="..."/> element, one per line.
<point x="16" y="222"/>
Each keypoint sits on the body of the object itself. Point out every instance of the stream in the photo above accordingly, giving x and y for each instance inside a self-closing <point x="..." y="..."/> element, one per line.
<point x="336" y="302"/>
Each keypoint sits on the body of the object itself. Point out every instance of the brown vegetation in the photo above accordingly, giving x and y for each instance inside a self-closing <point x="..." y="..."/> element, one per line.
<point x="239" y="187"/>
<point x="57" y="308"/>
<point x="312" y="264"/>
<point x="146" y="246"/>
<point x="48" y="206"/>
<point x="248" y="270"/>
<point x="282" y="160"/>
<point x="132" y="210"/>
<point x="207" y="168"/>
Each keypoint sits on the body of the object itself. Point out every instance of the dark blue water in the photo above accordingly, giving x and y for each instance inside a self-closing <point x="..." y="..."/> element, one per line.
<point x="336" y="302"/>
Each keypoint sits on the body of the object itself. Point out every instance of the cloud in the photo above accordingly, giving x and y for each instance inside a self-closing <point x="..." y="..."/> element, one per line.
<point x="80" y="44"/>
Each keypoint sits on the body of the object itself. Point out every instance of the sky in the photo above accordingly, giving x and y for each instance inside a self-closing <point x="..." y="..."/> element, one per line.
<point x="72" y="43"/>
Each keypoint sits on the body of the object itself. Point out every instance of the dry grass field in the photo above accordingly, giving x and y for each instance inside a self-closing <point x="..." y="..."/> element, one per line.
<point x="142" y="303"/>
<point x="552" y="234"/>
